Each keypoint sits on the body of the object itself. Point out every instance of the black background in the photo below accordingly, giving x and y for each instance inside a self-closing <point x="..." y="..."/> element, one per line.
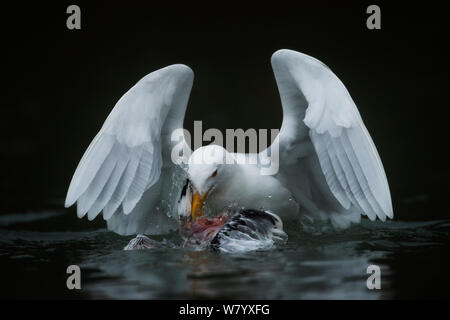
<point x="60" y="84"/>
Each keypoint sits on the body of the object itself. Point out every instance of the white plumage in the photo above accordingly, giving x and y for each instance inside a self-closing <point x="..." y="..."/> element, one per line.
<point x="329" y="167"/>
<point x="343" y="164"/>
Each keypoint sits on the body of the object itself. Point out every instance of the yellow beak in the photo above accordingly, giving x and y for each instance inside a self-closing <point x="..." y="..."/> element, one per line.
<point x="197" y="205"/>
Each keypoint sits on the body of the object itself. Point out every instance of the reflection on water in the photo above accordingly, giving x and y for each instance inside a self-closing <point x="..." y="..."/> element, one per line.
<point x="311" y="265"/>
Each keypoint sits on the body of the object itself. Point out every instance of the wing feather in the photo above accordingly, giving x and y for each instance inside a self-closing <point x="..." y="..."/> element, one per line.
<point x="362" y="177"/>
<point x="124" y="184"/>
<point x="333" y="174"/>
<point x="141" y="180"/>
<point x="91" y="162"/>
<point x="349" y="161"/>
<point x="109" y="188"/>
<point x="125" y="158"/>
<point x="371" y="165"/>
<point x="96" y="186"/>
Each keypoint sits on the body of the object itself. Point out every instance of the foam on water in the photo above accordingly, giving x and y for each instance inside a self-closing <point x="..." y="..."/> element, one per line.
<point x="249" y="230"/>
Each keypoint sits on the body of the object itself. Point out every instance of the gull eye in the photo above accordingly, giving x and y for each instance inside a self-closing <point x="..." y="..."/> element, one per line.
<point x="214" y="174"/>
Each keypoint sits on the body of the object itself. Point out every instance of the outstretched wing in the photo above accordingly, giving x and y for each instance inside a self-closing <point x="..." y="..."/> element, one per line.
<point x="327" y="157"/>
<point x="125" y="159"/>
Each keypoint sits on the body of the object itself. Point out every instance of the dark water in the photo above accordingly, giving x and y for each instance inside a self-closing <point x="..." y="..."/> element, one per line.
<point x="313" y="264"/>
<point x="62" y="84"/>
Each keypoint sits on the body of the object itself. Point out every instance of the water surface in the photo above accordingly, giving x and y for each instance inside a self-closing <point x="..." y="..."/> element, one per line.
<point x="35" y="250"/>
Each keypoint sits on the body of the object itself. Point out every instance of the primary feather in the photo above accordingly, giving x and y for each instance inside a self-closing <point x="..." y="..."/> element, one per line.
<point x="125" y="159"/>
<point x="318" y="110"/>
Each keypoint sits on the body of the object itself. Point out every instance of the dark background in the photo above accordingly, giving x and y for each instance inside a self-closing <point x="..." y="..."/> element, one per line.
<point x="60" y="84"/>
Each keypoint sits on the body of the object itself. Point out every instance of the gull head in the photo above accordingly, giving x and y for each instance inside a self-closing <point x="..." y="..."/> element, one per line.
<point x="207" y="171"/>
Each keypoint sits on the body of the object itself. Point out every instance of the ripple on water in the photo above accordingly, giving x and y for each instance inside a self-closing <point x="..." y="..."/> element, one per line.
<point x="311" y="265"/>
